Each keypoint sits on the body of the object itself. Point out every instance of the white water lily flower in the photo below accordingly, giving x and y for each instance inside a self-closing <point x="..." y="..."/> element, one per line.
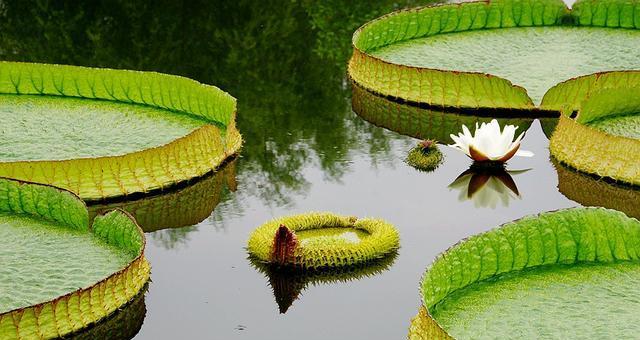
<point x="489" y="143"/>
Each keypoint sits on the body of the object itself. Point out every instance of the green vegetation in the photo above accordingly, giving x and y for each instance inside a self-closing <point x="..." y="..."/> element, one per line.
<point x="322" y="240"/>
<point x="61" y="274"/>
<point x="584" y="249"/>
<point x="425" y="156"/>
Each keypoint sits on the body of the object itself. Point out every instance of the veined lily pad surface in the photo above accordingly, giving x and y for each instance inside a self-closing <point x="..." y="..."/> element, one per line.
<point x="554" y="275"/>
<point x="104" y="133"/>
<point x="493" y="54"/>
<point x="59" y="274"/>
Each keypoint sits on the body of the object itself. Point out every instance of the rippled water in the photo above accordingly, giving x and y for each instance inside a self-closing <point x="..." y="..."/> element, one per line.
<point x="305" y="150"/>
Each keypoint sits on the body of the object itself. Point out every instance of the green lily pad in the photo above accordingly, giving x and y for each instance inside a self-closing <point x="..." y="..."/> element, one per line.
<point x="536" y="58"/>
<point x="104" y="133"/>
<point x="604" y="137"/>
<point x="565" y="274"/>
<point x="318" y="241"/>
<point x="502" y="54"/>
<point x="59" y="274"/>
<point x="68" y="128"/>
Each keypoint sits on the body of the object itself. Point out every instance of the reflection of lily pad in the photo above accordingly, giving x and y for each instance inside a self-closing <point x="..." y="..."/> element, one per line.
<point x="184" y="207"/>
<point x="590" y="191"/>
<point x="59" y="274"/>
<point x="287" y="284"/>
<point x="566" y="274"/>
<point x="604" y="137"/>
<point x="470" y="55"/>
<point x="103" y="133"/>
<point x="322" y="240"/>
<point x="123" y="324"/>
<point x="414" y="121"/>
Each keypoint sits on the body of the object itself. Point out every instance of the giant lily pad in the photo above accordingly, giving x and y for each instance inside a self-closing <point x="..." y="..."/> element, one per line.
<point x="566" y="274"/>
<point x="418" y="122"/>
<point x="104" y="133"/>
<point x="60" y="274"/>
<point x="500" y="54"/>
<point x="603" y="138"/>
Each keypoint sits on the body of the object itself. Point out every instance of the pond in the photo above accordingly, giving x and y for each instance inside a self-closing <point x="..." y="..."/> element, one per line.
<point x="305" y="150"/>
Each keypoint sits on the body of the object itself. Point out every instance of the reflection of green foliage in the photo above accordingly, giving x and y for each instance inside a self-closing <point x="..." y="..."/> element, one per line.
<point x="284" y="61"/>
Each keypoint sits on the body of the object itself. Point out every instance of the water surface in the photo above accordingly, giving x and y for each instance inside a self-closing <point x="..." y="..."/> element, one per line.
<point x="305" y="150"/>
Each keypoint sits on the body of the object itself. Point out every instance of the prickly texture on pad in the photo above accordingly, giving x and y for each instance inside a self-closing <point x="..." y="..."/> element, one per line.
<point x="58" y="213"/>
<point x="564" y="237"/>
<point x="425" y="158"/>
<point x="322" y="251"/>
<point x="154" y="168"/>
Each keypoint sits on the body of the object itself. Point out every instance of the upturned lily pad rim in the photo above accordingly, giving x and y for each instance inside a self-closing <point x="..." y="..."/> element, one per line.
<point x="424" y="319"/>
<point x="588" y="149"/>
<point x="566" y="18"/>
<point x="152" y="169"/>
<point x="382" y="240"/>
<point x="138" y="263"/>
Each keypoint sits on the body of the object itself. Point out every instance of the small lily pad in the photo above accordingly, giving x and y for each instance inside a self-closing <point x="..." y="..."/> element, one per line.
<point x="322" y="240"/>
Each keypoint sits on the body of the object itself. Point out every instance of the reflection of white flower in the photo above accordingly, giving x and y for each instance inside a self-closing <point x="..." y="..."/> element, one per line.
<point x="489" y="143"/>
<point x="487" y="188"/>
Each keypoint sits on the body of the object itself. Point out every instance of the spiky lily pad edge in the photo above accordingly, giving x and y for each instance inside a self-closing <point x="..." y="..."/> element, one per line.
<point x="595" y="152"/>
<point x="86" y="306"/>
<point x="152" y="169"/>
<point x="382" y="240"/>
<point x="467" y="90"/>
<point x="567" y="236"/>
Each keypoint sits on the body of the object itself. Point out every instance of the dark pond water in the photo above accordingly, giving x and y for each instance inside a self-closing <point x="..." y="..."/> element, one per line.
<point x="305" y="150"/>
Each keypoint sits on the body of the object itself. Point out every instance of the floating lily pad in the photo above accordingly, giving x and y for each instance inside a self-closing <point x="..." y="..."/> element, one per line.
<point x="104" y="133"/>
<point x="501" y="54"/>
<point x="288" y="284"/>
<point x="418" y="122"/>
<point x="177" y="208"/>
<point x="604" y="137"/>
<point x="595" y="192"/>
<point x="322" y="240"/>
<point x="58" y="273"/>
<point x="426" y="156"/>
<point x="572" y="273"/>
